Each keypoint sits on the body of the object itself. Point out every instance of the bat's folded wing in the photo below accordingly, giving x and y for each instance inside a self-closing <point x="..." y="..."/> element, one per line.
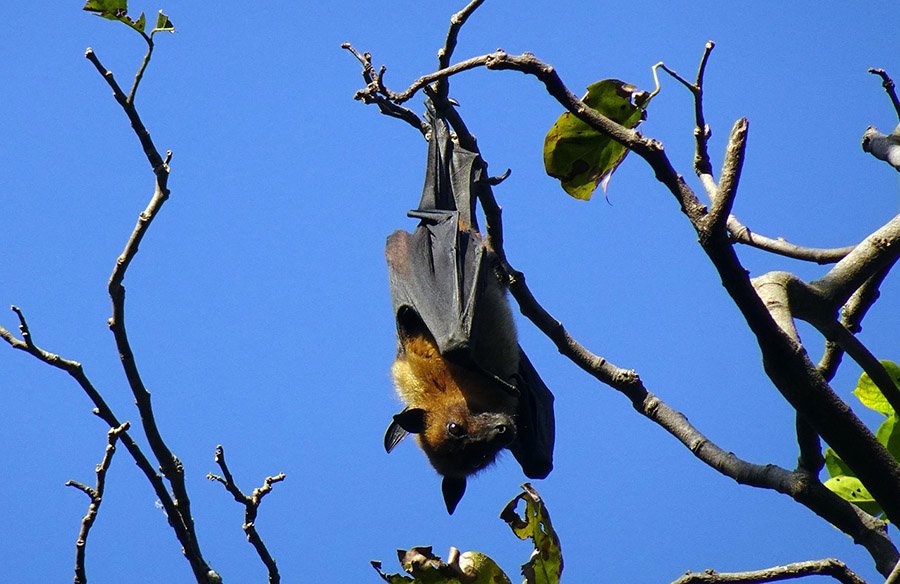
<point x="535" y="424"/>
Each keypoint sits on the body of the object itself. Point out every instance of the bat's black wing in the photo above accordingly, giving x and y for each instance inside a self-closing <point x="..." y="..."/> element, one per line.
<point x="438" y="271"/>
<point x="535" y="423"/>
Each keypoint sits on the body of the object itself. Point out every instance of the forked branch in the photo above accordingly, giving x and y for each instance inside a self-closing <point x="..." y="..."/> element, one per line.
<point x="251" y="509"/>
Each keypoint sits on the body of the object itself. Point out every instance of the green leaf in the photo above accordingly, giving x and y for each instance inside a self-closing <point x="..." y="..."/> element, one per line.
<point x="109" y="9"/>
<point x="851" y="489"/>
<point x="546" y="564"/>
<point x="141" y="23"/>
<point x="162" y="24"/>
<point x="836" y="467"/>
<point x="869" y="394"/>
<point x="579" y="156"/>
<point x="116" y="10"/>
<point x="889" y="435"/>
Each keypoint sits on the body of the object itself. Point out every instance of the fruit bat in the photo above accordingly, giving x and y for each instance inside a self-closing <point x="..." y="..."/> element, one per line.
<point x="468" y="387"/>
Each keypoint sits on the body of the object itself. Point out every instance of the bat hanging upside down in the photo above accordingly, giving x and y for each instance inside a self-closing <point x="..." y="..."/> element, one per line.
<point x="468" y="387"/>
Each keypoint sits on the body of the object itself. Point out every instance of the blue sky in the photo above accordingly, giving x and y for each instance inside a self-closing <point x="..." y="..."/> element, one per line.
<point x="259" y="310"/>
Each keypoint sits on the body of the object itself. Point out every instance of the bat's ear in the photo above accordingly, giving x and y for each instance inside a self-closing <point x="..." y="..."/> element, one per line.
<point x="453" y="488"/>
<point x="409" y="421"/>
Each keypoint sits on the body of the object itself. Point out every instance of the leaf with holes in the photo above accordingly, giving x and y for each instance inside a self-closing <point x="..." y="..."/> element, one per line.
<point x="546" y="563"/>
<point x="851" y="489"/>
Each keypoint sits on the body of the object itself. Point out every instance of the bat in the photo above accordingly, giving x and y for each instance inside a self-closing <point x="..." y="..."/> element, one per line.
<point x="469" y="389"/>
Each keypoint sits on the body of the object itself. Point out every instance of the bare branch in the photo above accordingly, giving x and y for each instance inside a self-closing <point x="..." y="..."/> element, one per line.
<point x="827" y="567"/>
<point x="156" y="161"/>
<point x="96" y="496"/>
<point x="442" y="87"/>
<point x="884" y="147"/>
<point x="171" y="467"/>
<point x="889" y="87"/>
<point x="103" y="411"/>
<point x="143" y="67"/>
<point x="837" y="333"/>
<point x="251" y="508"/>
<point x="741" y="234"/>
<point x="879" y="250"/>
<point x="386" y="106"/>
<point x="723" y="200"/>
<point x="702" y="131"/>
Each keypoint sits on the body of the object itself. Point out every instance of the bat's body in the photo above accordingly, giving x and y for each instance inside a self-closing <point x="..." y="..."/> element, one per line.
<point x="468" y="387"/>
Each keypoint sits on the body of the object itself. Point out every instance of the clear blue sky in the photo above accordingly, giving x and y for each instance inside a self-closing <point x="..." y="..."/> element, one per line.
<point x="258" y="306"/>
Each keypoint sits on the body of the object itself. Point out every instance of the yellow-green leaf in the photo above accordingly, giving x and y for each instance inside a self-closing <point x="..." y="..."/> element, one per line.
<point x="889" y="435"/>
<point x="546" y="563"/>
<point x="869" y="394"/>
<point x="851" y="489"/>
<point x="426" y="568"/>
<point x="583" y="158"/>
<point x="835" y="465"/>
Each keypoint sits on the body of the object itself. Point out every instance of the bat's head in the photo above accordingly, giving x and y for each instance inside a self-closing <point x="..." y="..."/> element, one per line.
<point x="458" y="442"/>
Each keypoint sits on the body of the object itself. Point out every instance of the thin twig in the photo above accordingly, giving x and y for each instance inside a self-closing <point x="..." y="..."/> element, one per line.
<point x="702" y="131"/>
<point x="889" y="87"/>
<point x="101" y="410"/>
<point x="442" y="86"/>
<point x="95" y="494"/>
<point x="386" y="106"/>
<point x="251" y="508"/>
<point x="827" y="567"/>
<point x="140" y="73"/>
<point x="740" y="233"/>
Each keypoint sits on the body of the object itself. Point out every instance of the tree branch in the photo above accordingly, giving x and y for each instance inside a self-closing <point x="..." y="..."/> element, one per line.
<point x="442" y="87"/>
<point x="889" y="87"/>
<point x="171" y="467"/>
<point x="386" y="106"/>
<point x="103" y="411"/>
<point x="879" y="250"/>
<point x="96" y="496"/>
<point x="827" y="567"/>
<point x="702" y="131"/>
<point x="741" y="234"/>
<point x="723" y="200"/>
<point x="251" y="508"/>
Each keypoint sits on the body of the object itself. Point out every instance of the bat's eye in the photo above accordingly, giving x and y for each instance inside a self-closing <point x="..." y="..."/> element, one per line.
<point x="456" y="430"/>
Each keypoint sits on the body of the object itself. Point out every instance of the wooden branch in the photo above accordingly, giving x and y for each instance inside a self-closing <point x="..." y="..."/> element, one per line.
<point x="879" y="250"/>
<point x="889" y="87"/>
<point x="101" y="410"/>
<point x="442" y="86"/>
<point x="386" y="106"/>
<point x="170" y="465"/>
<point x="716" y="222"/>
<point x="702" y="131"/>
<point x="251" y="508"/>
<point x="95" y="494"/>
<point x="741" y="234"/>
<point x="827" y="567"/>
